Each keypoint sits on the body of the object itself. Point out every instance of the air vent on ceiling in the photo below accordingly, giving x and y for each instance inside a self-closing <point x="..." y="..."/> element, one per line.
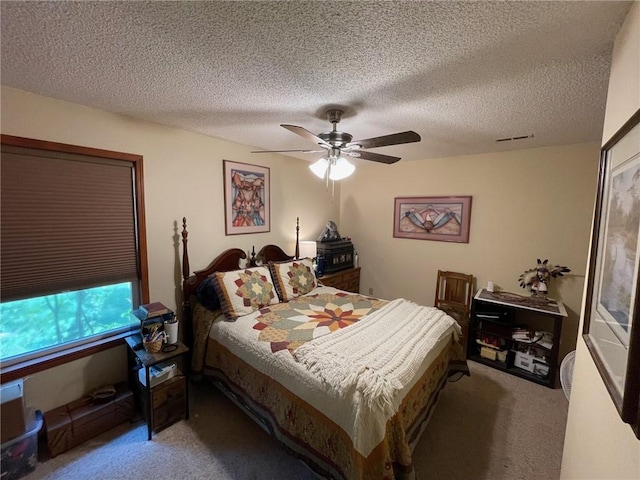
<point x="508" y="139"/>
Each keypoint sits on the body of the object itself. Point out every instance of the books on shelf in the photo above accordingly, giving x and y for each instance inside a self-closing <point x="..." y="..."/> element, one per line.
<point x="545" y="339"/>
<point x="524" y="335"/>
<point x="153" y="310"/>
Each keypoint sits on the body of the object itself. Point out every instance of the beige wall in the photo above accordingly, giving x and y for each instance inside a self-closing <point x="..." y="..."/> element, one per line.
<point x="598" y="445"/>
<point x="527" y="204"/>
<point x="183" y="177"/>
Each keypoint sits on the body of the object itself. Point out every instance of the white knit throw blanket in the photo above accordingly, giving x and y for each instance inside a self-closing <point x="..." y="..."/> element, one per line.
<point x="377" y="356"/>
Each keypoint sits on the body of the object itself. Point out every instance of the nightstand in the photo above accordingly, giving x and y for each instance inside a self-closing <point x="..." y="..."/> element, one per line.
<point x="348" y="280"/>
<point x="166" y="402"/>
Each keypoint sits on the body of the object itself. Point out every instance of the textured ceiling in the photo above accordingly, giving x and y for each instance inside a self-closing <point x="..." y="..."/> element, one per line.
<point x="461" y="74"/>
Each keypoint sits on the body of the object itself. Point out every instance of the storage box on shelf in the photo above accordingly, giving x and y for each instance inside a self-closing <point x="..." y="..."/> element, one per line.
<point x="501" y="340"/>
<point x="493" y="354"/>
<point x="531" y="364"/>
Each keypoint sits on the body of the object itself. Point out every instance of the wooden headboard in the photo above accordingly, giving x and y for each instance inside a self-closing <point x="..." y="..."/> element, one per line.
<point x="226" y="261"/>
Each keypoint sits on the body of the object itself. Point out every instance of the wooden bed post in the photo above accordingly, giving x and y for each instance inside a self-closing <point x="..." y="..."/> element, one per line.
<point x="186" y="271"/>
<point x="186" y="300"/>
<point x="297" y="254"/>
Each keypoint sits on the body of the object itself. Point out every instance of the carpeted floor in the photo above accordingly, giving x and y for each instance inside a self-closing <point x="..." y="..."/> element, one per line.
<point x="489" y="426"/>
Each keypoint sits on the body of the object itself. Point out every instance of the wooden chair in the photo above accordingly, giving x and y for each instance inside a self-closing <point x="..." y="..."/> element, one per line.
<point x="453" y="295"/>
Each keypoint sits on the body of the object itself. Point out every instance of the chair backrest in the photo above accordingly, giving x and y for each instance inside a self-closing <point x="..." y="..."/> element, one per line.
<point x="453" y="294"/>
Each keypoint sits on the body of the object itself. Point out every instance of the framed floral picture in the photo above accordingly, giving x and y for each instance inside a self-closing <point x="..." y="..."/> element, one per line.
<point x="444" y="219"/>
<point x="611" y="324"/>
<point x="246" y="198"/>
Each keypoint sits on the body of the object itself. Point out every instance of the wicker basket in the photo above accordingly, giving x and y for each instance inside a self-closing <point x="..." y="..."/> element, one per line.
<point x="153" y="347"/>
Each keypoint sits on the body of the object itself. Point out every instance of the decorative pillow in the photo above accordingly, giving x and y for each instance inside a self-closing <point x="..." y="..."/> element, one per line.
<point x="244" y="291"/>
<point x="293" y="278"/>
<point x="207" y="295"/>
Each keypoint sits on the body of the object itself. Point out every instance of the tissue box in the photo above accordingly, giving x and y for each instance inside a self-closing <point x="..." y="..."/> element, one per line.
<point x="158" y="373"/>
<point x="20" y="455"/>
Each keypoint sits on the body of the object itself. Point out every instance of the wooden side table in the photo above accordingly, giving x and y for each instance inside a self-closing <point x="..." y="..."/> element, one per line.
<point x="167" y="402"/>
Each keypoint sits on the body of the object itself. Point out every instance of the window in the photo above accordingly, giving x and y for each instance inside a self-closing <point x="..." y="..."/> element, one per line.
<point x="73" y="249"/>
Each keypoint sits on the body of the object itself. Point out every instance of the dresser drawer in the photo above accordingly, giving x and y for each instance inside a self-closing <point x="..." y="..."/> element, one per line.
<point x="353" y="286"/>
<point x="352" y="276"/>
<point x="168" y="414"/>
<point x="348" y="280"/>
<point x="167" y="391"/>
<point x="336" y="282"/>
<point x="168" y="402"/>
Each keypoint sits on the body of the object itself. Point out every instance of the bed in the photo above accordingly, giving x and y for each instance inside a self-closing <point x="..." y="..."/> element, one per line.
<point x="346" y="382"/>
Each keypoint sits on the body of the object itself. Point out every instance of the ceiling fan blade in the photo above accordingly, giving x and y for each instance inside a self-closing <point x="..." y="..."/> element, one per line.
<point x="307" y="135"/>
<point x="385" y="140"/>
<point x="376" y="157"/>
<point x="285" y="151"/>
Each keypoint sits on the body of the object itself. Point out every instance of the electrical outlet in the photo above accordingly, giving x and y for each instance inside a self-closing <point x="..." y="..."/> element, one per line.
<point x="370" y="291"/>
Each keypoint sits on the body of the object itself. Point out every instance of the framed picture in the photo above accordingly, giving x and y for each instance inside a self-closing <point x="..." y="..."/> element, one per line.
<point x="246" y="198"/>
<point x="611" y="330"/>
<point x="445" y="219"/>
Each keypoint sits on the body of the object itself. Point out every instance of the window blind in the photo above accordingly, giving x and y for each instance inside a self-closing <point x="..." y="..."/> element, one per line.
<point x="67" y="222"/>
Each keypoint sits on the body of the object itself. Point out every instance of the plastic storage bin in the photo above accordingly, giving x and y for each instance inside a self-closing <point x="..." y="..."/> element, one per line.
<point x="20" y="455"/>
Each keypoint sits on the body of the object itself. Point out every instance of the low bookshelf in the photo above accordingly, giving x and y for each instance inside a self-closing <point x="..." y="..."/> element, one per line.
<point x="517" y="334"/>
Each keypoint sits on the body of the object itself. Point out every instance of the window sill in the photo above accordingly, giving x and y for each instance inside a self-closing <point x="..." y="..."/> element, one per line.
<point x="29" y="367"/>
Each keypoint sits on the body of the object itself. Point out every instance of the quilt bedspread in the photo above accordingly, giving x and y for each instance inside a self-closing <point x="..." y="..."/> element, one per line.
<point x="253" y="358"/>
<point x="308" y="433"/>
<point x="290" y="325"/>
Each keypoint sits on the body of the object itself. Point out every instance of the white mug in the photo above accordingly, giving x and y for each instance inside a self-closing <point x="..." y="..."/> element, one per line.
<point x="490" y="286"/>
<point x="171" y="329"/>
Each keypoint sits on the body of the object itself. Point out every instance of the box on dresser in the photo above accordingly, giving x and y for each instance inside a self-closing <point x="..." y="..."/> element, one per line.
<point x="337" y="255"/>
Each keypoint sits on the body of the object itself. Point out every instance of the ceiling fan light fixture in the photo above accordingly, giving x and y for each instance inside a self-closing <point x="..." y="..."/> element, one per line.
<point x="320" y="167"/>
<point x="341" y="169"/>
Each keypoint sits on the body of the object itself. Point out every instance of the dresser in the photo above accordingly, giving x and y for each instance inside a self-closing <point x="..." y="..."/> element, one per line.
<point x="348" y="280"/>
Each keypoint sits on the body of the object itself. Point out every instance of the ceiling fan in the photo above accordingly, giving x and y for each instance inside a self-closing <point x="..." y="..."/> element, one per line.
<point x="336" y="145"/>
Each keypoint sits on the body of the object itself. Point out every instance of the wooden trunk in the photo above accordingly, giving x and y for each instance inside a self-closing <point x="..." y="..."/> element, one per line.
<point x="82" y="419"/>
